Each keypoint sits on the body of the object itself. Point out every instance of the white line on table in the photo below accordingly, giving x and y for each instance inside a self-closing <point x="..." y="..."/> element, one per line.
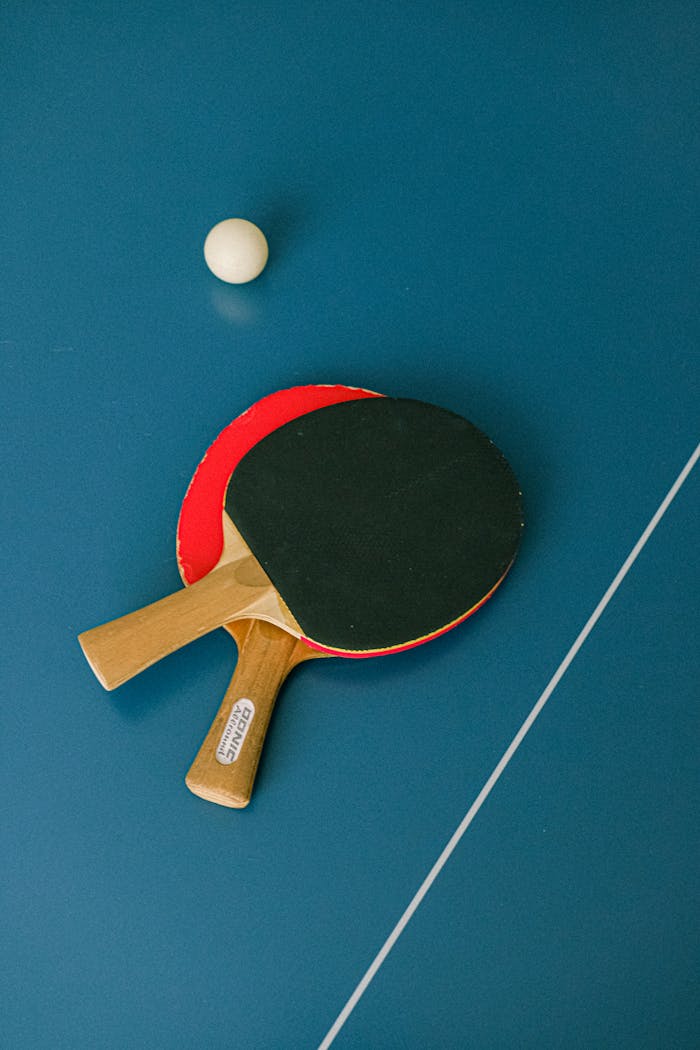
<point x="507" y="755"/>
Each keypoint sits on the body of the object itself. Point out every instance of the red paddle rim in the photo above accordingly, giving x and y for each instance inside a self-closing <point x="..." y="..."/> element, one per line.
<point x="200" y="537"/>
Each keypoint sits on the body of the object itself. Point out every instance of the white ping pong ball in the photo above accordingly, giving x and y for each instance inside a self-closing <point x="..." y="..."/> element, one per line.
<point x="235" y="251"/>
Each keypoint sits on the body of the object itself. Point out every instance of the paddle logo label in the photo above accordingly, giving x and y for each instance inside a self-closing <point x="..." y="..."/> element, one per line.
<point x="239" y="722"/>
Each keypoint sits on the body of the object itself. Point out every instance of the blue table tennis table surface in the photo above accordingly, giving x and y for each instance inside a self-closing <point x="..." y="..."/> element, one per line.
<point x="488" y="206"/>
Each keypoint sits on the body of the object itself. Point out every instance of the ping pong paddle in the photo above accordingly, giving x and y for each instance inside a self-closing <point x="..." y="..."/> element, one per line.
<point x="364" y="527"/>
<point x="225" y="767"/>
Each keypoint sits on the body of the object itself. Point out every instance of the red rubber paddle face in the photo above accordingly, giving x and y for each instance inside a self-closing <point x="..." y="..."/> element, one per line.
<point x="199" y="531"/>
<point x="471" y="500"/>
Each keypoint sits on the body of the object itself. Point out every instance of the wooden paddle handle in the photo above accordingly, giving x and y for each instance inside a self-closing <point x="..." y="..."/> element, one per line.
<point x="225" y="767"/>
<point x="118" y="650"/>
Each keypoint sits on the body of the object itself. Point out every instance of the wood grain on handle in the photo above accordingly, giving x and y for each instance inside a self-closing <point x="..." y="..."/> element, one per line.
<point x="224" y="769"/>
<point x="118" y="650"/>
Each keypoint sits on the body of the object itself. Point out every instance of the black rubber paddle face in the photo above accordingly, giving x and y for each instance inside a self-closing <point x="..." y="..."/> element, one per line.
<point x="380" y="522"/>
